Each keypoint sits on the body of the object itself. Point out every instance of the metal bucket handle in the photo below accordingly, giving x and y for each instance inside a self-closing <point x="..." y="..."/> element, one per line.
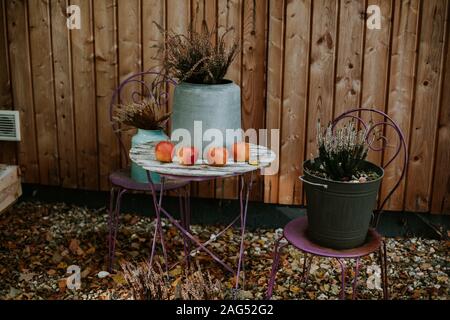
<point x="312" y="183"/>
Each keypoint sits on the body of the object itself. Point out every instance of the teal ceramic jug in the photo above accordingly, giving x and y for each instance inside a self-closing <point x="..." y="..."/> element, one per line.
<point x="142" y="136"/>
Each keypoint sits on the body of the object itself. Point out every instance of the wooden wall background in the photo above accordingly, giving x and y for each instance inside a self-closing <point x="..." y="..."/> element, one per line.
<point x="300" y="60"/>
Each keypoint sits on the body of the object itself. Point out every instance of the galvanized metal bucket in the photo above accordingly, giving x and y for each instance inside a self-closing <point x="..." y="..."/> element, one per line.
<point x="214" y="106"/>
<point x="339" y="213"/>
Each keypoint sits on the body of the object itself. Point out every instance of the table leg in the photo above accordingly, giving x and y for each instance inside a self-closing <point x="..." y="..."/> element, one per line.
<point x="243" y="207"/>
<point x="182" y="199"/>
<point x="160" y="230"/>
<point x="158" y="227"/>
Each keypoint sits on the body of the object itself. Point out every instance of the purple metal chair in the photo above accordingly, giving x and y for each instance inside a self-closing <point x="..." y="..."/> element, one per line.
<point x="295" y="231"/>
<point x="121" y="181"/>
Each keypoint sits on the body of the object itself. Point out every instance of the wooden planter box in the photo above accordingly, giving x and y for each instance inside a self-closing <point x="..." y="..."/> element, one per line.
<point x="10" y="187"/>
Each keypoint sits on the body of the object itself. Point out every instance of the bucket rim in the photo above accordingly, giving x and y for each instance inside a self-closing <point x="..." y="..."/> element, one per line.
<point x="225" y="82"/>
<point x="305" y="170"/>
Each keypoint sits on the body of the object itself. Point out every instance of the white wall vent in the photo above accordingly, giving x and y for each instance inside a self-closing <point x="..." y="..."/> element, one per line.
<point x="9" y="125"/>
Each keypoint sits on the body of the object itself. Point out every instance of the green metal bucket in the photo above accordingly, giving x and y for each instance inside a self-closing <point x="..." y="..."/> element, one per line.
<point x="339" y="213"/>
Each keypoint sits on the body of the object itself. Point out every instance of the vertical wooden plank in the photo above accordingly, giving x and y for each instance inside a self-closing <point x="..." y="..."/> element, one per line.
<point x="230" y="16"/>
<point x="204" y="10"/>
<point x="63" y="94"/>
<point x="21" y="83"/>
<point x="275" y="71"/>
<point x="5" y="81"/>
<point x="106" y="78"/>
<point x="295" y="99"/>
<point x="178" y="15"/>
<point x="152" y="11"/>
<point x="130" y="59"/>
<point x="349" y="56"/>
<point x="426" y="106"/>
<point x="401" y="91"/>
<point x="205" y="189"/>
<point x="441" y="183"/>
<point x="253" y="74"/>
<point x="211" y="8"/>
<point x="376" y="68"/>
<point x="8" y="149"/>
<point x="322" y="71"/>
<point x="44" y="99"/>
<point x="198" y="14"/>
<point x="84" y="98"/>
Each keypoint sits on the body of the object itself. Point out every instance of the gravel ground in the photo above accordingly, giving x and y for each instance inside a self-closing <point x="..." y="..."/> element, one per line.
<point x="38" y="242"/>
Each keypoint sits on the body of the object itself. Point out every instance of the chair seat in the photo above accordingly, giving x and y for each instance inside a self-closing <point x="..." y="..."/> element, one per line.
<point x="296" y="233"/>
<point x="122" y="178"/>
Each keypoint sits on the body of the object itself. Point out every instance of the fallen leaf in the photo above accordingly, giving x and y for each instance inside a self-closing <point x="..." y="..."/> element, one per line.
<point x="294" y="289"/>
<point x="62" y="283"/>
<point x="175" y="272"/>
<point x="85" y="272"/>
<point x="91" y="250"/>
<point x="26" y="276"/>
<point x="51" y="272"/>
<point x="74" y="247"/>
<point x="119" y="279"/>
<point x="56" y="258"/>
<point x="62" y="265"/>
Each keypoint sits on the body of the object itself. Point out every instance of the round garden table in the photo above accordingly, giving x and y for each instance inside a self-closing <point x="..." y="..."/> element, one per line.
<point x="144" y="156"/>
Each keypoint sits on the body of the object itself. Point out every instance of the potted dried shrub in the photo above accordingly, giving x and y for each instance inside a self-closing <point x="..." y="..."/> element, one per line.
<point x="341" y="187"/>
<point x="149" y="118"/>
<point x="202" y="94"/>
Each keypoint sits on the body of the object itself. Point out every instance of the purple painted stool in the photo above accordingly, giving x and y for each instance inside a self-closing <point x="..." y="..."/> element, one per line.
<point x="121" y="181"/>
<point x="295" y="232"/>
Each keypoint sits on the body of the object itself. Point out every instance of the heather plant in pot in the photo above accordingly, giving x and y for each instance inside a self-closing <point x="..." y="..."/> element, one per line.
<point x="202" y="94"/>
<point x="341" y="187"/>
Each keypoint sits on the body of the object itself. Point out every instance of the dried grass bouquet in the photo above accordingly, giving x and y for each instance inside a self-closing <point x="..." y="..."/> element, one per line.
<point x="151" y="283"/>
<point x="148" y="113"/>
<point x="194" y="57"/>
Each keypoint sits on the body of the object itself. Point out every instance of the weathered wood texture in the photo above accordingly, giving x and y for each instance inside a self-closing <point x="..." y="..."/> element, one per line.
<point x="10" y="186"/>
<point x="300" y="61"/>
<point x="8" y="149"/>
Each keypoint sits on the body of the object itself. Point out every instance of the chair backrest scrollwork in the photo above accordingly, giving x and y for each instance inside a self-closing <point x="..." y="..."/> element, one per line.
<point x="373" y="136"/>
<point x="157" y="90"/>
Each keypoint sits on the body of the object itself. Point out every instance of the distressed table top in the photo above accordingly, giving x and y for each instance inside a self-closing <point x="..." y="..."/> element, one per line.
<point x="144" y="156"/>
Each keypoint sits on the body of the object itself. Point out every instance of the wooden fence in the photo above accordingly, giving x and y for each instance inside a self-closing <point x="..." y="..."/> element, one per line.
<point x="301" y="60"/>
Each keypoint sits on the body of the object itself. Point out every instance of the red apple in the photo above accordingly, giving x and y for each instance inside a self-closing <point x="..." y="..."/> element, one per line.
<point x="241" y="151"/>
<point x="187" y="155"/>
<point x="217" y="156"/>
<point x="164" y="151"/>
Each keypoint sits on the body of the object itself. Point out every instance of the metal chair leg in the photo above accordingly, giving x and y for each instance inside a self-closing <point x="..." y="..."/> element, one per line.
<point x="343" y="269"/>
<point x="114" y="226"/>
<point x="355" y="280"/>
<point x="383" y="265"/>
<point x="276" y="261"/>
<point x="111" y="214"/>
